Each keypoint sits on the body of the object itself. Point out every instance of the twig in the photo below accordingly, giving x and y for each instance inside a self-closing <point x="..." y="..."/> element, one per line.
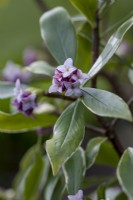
<point x="58" y="96"/>
<point x="41" y="5"/>
<point x="109" y="130"/>
<point x="95" y="46"/>
<point x="96" y="129"/>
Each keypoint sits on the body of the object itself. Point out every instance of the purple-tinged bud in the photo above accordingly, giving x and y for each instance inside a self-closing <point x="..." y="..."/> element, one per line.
<point x="56" y="86"/>
<point x="77" y="196"/>
<point x="24" y="101"/>
<point x="73" y="89"/>
<point x="12" y="72"/>
<point x="79" y="76"/>
<point x="29" y="56"/>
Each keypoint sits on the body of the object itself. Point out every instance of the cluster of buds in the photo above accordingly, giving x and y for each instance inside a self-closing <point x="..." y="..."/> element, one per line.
<point x="77" y="196"/>
<point x="68" y="79"/>
<point x="24" y="101"/>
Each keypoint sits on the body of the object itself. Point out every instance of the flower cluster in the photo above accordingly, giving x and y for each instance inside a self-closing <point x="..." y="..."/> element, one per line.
<point x="24" y="101"/>
<point x="77" y="196"/>
<point x="68" y="79"/>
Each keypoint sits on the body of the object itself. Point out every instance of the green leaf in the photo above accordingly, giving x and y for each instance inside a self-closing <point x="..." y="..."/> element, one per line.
<point x="125" y="172"/>
<point x="74" y="170"/>
<point x="104" y="103"/>
<point x="28" y="182"/>
<point x="101" y="191"/>
<point x="111" y="47"/>
<point x="68" y="132"/>
<point x="54" y="187"/>
<point x="130" y="75"/>
<point x="92" y="150"/>
<point x="103" y="4"/>
<point x="21" y="123"/>
<point x="59" y="34"/>
<point x="6" y="90"/>
<point x="84" y="49"/>
<point x="41" y="67"/>
<point x="121" y="196"/>
<point x="88" y="8"/>
<point x="33" y="179"/>
<point x="108" y="159"/>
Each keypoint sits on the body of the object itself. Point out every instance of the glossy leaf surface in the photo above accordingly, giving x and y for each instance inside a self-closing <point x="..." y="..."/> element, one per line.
<point x="59" y="34"/>
<point x="92" y="150"/>
<point x="74" y="170"/>
<point x="88" y="8"/>
<point x="105" y="103"/>
<point x="20" y="123"/>
<point x="125" y="172"/>
<point x="110" y="47"/>
<point x="41" y="67"/>
<point x="68" y="135"/>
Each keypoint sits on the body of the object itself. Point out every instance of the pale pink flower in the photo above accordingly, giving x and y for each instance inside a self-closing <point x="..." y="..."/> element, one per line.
<point x="67" y="68"/>
<point x="77" y="196"/>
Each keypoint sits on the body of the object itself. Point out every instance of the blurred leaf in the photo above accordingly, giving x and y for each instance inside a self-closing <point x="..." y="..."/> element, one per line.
<point x="111" y="47"/>
<point x="101" y="191"/>
<point x="125" y="172"/>
<point x="85" y="32"/>
<point x="121" y="196"/>
<point x="78" y="18"/>
<point x="41" y="67"/>
<point x="33" y="178"/>
<point x="54" y="187"/>
<point x="68" y="132"/>
<point x="21" y="123"/>
<point x="130" y="75"/>
<point x="58" y="33"/>
<point x="28" y="158"/>
<point x="28" y="180"/>
<point x="92" y="150"/>
<point x="5" y="105"/>
<point x="84" y="49"/>
<point x="103" y="4"/>
<point x="111" y="20"/>
<point x="26" y="164"/>
<point x="74" y="170"/>
<point x="41" y="84"/>
<point x="107" y="155"/>
<point x="6" y="90"/>
<point x="100" y="102"/>
<point x="88" y="8"/>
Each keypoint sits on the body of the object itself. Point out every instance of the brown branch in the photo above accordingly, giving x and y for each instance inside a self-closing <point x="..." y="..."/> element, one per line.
<point x="110" y="132"/>
<point x="95" y="46"/>
<point x="96" y="129"/>
<point x="58" y="96"/>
